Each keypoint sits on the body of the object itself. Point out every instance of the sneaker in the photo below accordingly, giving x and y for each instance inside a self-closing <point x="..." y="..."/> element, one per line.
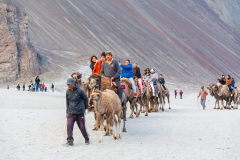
<point x="69" y="142"/>
<point x="87" y="142"/>
<point x="135" y="94"/>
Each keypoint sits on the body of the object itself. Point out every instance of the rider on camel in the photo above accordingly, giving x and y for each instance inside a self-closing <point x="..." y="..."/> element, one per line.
<point x="162" y="82"/>
<point x="111" y="69"/>
<point x="127" y="72"/>
<point x="98" y="65"/>
<point x="137" y="75"/>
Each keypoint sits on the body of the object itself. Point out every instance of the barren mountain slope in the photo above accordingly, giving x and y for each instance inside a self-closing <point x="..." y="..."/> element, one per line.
<point x="187" y="41"/>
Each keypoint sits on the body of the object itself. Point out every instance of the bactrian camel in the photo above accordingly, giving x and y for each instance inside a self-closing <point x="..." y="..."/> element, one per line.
<point x="107" y="103"/>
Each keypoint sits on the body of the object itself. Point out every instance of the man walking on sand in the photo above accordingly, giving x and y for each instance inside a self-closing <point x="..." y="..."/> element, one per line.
<point x="203" y="93"/>
<point x="77" y="102"/>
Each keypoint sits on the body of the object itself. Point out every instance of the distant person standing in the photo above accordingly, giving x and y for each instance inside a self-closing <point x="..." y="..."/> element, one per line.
<point x="93" y="62"/>
<point x="37" y="81"/>
<point x="7" y="87"/>
<point x="77" y="103"/>
<point x="181" y="93"/>
<point x="34" y="87"/>
<point x="23" y="86"/>
<point x="18" y="87"/>
<point x="43" y="87"/>
<point x="52" y="88"/>
<point x="175" y="94"/>
<point x="203" y="93"/>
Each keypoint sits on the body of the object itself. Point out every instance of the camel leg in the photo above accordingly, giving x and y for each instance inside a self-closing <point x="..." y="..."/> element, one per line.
<point x="163" y="104"/>
<point x="124" y="117"/>
<point x="147" y="107"/>
<point x="132" y="109"/>
<point x="151" y="105"/>
<point x="136" y="106"/>
<point x="155" y="104"/>
<point x="115" y="125"/>
<point x="107" y="127"/>
<point x="215" y="104"/>
<point x="96" y="126"/>
<point x="168" y="101"/>
<point x="160" y="103"/>
<point x="222" y="104"/>
<point x="119" y="124"/>
<point x="101" y="128"/>
<point x="218" y="104"/>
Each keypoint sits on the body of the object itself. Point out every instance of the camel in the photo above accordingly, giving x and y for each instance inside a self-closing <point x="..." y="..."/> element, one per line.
<point x="131" y="99"/>
<point x="216" y="96"/>
<point x="224" y="94"/>
<point x="107" y="84"/>
<point x="161" y="95"/>
<point x="145" y="98"/>
<point x="107" y="103"/>
<point x="152" y="99"/>
<point x="140" y="98"/>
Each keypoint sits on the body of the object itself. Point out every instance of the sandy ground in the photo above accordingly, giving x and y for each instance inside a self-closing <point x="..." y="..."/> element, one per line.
<point x="31" y="126"/>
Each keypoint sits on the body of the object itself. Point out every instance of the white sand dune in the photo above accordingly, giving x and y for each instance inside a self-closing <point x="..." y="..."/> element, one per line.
<point x="31" y="126"/>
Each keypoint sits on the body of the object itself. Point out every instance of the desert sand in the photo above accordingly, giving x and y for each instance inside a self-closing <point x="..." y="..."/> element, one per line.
<point x="32" y="125"/>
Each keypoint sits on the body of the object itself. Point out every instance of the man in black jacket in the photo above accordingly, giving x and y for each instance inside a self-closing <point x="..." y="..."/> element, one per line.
<point x="162" y="81"/>
<point x="222" y="80"/>
<point x="77" y="102"/>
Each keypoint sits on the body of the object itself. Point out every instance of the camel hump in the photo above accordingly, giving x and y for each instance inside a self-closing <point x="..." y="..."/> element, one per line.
<point x="127" y="81"/>
<point x="95" y="75"/>
<point x="106" y="83"/>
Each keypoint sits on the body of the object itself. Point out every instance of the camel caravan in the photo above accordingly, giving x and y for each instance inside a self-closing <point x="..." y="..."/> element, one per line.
<point x="112" y="85"/>
<point x="224" y="90"/>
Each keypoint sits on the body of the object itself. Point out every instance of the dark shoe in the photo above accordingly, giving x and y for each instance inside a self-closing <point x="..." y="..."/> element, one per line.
<point x="69" y="142"/>
<point x="87" y="142"/>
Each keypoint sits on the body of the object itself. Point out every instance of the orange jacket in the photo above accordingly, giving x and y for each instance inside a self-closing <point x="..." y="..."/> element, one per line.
<point x="228" y="81"/>
<point x="97" y="68"/>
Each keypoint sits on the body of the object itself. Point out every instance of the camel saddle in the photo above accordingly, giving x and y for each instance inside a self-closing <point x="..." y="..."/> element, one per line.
<point x="122" y="85"/>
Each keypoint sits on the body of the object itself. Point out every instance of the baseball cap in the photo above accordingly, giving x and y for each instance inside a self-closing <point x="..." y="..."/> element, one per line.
<point x="70" y="81"/>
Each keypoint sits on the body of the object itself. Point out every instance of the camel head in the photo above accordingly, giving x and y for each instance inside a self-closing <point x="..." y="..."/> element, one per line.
<point x="77" y="77"/>
<point x="210" y="88"/>
<point x="96" y="96"/>
<point x="85" y="85"/>
<point x="93" y="83"/>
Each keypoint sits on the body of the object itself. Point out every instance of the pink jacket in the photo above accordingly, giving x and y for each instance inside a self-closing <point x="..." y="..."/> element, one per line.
<point x="203" y="94"/>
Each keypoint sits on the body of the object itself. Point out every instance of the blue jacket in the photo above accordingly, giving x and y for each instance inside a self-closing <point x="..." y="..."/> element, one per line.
<point x="127" y="71"/>
<point x="233" y="84"/>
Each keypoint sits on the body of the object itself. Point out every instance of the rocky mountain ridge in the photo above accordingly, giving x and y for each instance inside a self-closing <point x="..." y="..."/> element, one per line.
<point x="18" y="58"/>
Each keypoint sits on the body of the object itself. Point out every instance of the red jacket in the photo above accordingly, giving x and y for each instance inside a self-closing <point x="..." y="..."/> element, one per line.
<point x="43" y="86"/>
<point x="97" y="67"/>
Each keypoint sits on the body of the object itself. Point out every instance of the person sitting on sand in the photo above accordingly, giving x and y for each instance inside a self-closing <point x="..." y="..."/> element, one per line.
<point x="77" y="103"/>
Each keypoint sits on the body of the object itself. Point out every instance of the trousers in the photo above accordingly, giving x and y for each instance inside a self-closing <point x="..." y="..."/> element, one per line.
<point x="80" y="119"/>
